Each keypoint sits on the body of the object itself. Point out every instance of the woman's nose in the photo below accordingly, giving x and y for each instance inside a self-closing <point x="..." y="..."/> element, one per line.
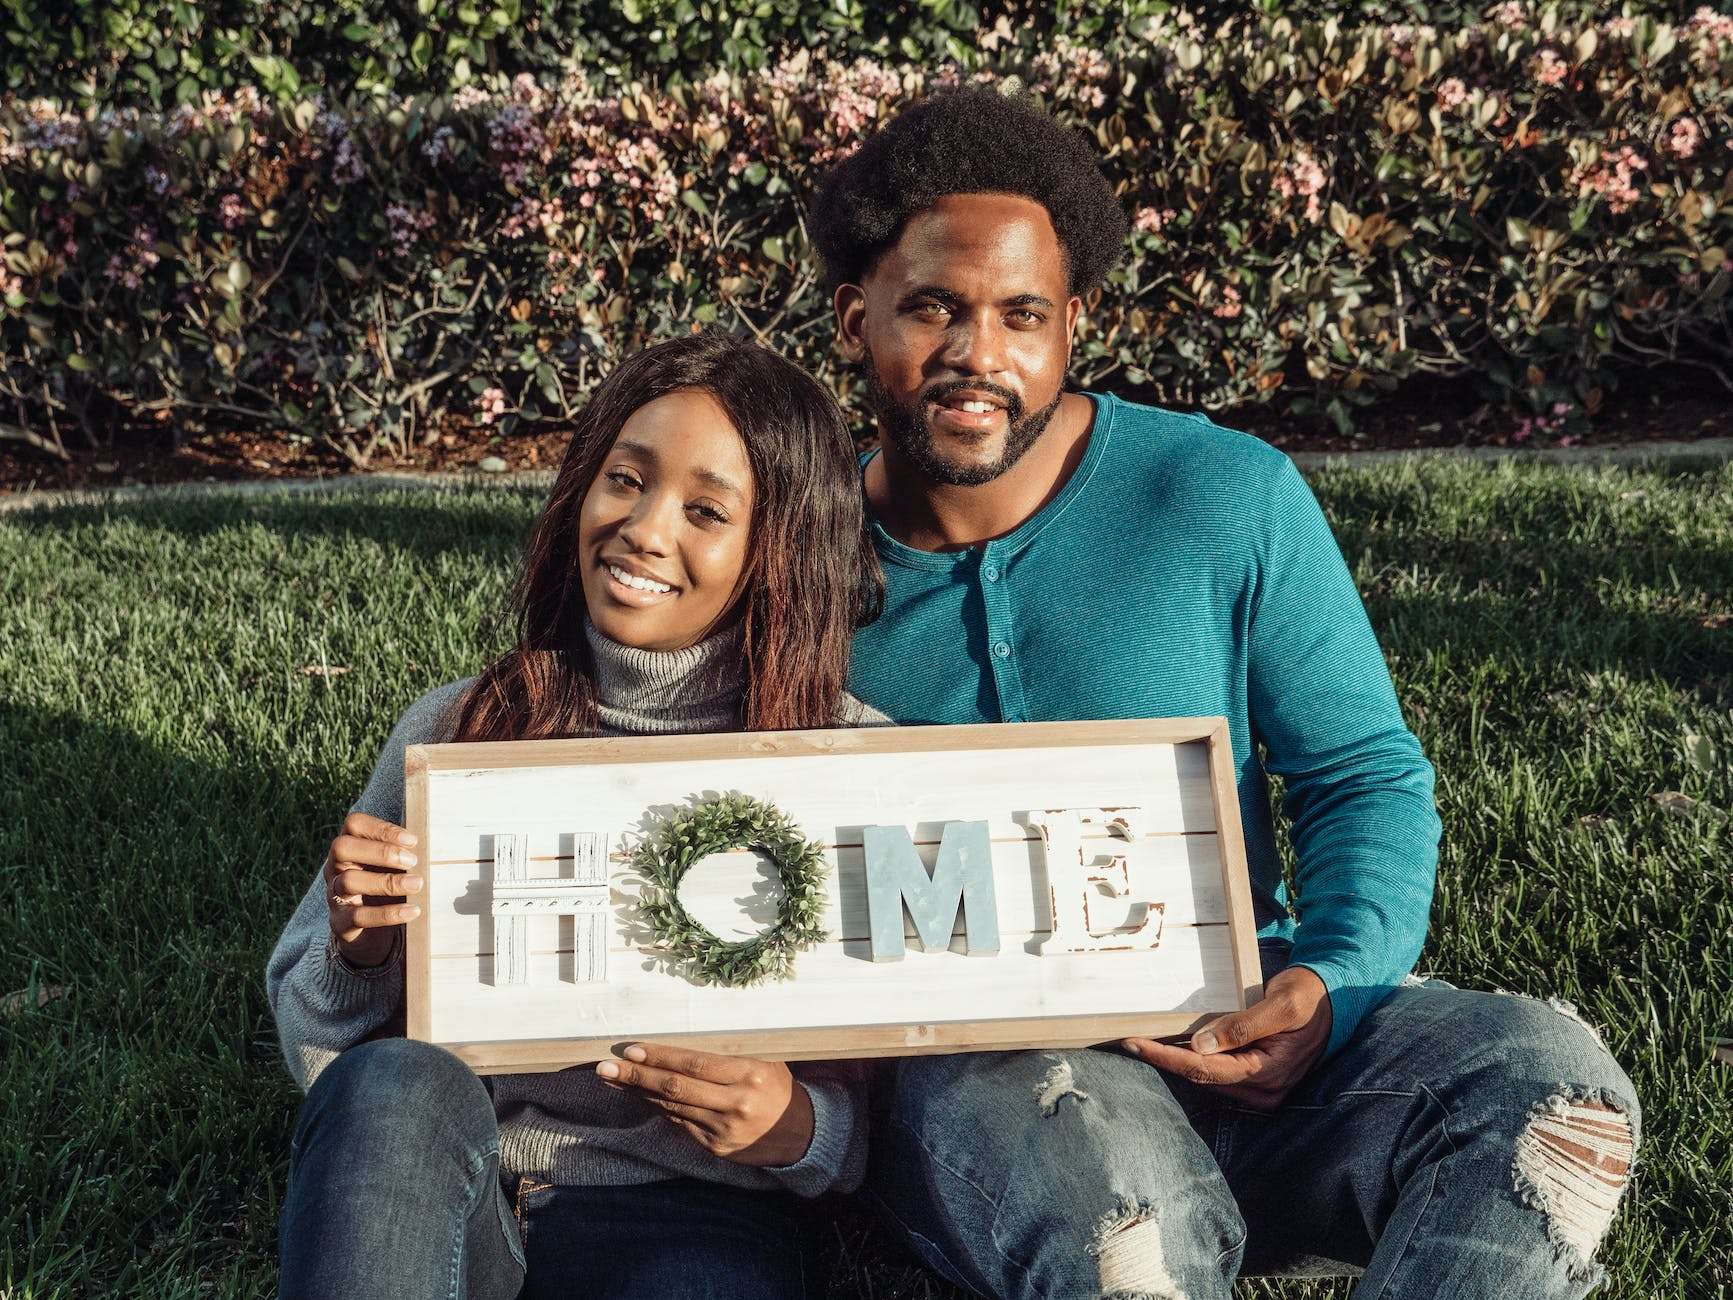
<point x="649" y="527"/>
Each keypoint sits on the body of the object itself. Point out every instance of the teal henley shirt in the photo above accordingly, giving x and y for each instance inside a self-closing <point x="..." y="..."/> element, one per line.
<point x="1186" y="569"/>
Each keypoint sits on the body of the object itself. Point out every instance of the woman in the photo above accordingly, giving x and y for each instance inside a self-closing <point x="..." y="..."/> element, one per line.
<point x="701" y="565"/>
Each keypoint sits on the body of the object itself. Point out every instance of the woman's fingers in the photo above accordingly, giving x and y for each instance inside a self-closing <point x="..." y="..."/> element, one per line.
<point x="354" y="850"/>
<point x="676" y="1093"/>
<point x="373" y="884"/>
<point x="349" y="917"/>
<point x="368" y="827"/>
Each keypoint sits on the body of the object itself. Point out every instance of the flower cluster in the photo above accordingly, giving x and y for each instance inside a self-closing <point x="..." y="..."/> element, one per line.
<point x="1684" y="137"/>
<point x="128" y="268"/>
<point x="406" y="225"/>
<point x="1549" y="68"/>
<point x="491" y="404"/>
<point x="1304" y="178"/>
<point x="1539" y="426"/>
<point x="1612" y="177"/>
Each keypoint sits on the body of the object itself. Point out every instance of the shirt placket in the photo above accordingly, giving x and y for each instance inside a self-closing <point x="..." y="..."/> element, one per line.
<point x="992" y="578"/>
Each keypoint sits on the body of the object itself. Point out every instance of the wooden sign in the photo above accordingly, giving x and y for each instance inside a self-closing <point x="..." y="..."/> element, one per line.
<point x="999" y="886"/>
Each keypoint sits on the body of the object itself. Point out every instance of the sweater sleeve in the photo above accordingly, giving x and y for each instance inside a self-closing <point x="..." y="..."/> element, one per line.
<point x="835" y="1160"/>
<point x="1359" y="792"/>
<point x="321" y="1002"/>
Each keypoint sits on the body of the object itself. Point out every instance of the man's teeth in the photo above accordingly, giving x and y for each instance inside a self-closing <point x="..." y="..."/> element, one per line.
<point x="632" y="580"/>
<point x="976" y="408"/>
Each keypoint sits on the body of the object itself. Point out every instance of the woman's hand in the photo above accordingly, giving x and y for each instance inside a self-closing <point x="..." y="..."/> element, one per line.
<point x="367" y="904"/>
<point x="750" y="1112"/>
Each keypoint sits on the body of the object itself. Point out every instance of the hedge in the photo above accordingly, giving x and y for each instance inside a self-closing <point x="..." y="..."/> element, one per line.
<point x="1530" y="200"/>
<point x="159" y="53"/>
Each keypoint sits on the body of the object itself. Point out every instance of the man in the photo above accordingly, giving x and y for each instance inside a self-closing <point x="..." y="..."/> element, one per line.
<point x="1066" y="555"/>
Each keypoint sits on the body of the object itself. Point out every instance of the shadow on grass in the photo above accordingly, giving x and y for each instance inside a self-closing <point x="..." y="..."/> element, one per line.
<point x="491" y="522"/>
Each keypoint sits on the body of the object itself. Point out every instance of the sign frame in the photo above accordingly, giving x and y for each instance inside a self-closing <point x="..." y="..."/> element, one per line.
<point x="824" y="1041"/>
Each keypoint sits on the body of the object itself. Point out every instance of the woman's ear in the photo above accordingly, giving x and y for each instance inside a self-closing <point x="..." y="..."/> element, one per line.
<point x="850" y="304"/>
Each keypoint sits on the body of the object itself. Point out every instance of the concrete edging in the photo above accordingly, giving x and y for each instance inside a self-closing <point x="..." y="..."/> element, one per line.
<point x="1704" y="451"/>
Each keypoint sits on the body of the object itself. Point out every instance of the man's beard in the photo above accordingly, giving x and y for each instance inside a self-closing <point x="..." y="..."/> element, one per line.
<point x="913" y="437"/>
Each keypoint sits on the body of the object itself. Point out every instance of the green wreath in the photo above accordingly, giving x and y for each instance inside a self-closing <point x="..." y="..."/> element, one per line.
<point x="732" y="821"/>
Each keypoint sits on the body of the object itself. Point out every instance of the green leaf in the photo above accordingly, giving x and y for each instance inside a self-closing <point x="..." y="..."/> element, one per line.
<point x="694" y="200"/>
<point x="772" y="248"/>
<point x="77" y="362"/>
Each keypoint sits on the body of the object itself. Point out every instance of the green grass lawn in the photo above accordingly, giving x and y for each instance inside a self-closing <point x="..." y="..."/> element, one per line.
<point x="170" y="773"/>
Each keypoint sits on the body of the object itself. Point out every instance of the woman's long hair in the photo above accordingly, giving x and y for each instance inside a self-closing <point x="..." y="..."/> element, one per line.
<point x="811" y="575"/>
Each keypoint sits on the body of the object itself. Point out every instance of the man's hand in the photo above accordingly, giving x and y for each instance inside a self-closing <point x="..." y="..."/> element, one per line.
<point x="750" y="1112"/>
<point x="1257" y="1056"/>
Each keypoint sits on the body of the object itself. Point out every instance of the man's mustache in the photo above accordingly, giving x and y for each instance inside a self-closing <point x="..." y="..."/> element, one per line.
<point x="951" y="387"/>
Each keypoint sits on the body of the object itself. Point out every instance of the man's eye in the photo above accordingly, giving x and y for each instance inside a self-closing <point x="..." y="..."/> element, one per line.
<point x="932" y="310"/>
<point x="1023" y="316"/>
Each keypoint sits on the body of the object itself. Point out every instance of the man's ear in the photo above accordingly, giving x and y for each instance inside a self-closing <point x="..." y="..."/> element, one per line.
<point x="1073" y="313"/>
<point x="850" y="304"/>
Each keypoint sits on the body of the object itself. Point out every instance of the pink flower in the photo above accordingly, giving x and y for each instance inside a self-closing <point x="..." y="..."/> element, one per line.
<point x="1512" y="14"/>
<point x="1304" y="177"/>
<point x="231" y="212"/>
<point x="1451" y="92"/>
<point x="1706" y="21"/>
<point x="1613" y="178"/>
<point x="490" y="404"/>
<point x="1619" y="27"/>
<point x="406" y="224"/>
<point x="1150" y="221"/>
<point x="1231" y="307"/>
<point x="1684" y="138"/>
<point x="1549" y="69"/>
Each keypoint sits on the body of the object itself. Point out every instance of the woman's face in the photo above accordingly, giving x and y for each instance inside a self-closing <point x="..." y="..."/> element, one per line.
<point x="663" y="530"/>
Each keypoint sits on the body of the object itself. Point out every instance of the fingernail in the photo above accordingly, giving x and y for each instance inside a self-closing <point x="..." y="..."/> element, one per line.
<point x="405" y="858"/>
<point x="410" y="884"/>
<point x="1128" y="1045"/>
<point x="1204" y="1042"/>
<point x="405" y="837"/>
<point x="409" y="913"/>
<point x="608" y="1070"/>
<point x="634" y="1053"/>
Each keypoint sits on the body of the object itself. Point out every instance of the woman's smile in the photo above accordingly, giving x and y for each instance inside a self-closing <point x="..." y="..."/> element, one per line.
<point x="631" y="586"/>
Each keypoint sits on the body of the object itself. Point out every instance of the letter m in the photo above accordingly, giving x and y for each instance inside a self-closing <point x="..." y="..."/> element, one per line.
<point x="962" y="877"/>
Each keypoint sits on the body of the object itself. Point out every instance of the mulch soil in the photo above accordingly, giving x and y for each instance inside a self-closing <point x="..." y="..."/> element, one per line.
<point x="1664" y="404"/>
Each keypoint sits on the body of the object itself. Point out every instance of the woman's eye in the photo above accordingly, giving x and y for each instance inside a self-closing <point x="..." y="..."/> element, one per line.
<point x="624" y="478"/>
<point x="708" y="513"/>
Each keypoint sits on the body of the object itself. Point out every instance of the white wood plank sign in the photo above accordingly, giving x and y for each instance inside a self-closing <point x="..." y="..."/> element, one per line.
<point x="1033" y="884"/>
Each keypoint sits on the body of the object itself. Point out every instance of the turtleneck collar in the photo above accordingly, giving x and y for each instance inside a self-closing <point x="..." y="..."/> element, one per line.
<point x="666" y="692"/>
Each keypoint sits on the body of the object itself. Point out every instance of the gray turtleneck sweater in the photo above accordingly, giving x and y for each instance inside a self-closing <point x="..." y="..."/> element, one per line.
<point x="564" y="1127"/>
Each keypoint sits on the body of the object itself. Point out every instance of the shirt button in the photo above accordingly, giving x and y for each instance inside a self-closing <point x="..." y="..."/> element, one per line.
<point x="1001" y="650"/>
<point x="990" y="572"/>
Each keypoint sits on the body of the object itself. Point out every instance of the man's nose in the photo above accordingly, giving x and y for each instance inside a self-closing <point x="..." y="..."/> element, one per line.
<point x="975" y="347"/>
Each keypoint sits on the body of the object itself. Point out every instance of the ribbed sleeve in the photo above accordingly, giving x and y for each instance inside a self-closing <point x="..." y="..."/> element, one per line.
<point x="1359" y="792"/>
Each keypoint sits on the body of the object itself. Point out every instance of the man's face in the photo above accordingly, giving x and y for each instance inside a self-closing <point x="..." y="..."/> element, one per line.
<point x="965" y="329"/>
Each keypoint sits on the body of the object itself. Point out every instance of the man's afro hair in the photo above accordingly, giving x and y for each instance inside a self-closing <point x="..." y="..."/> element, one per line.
<point x="973" y="140"/>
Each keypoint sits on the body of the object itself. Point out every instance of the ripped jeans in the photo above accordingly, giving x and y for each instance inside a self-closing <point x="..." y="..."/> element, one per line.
<point x="1462" y="1144"/>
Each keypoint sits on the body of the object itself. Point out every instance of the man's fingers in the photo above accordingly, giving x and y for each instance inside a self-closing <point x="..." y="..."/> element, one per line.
<point x="1193" y="1066"/>
<point x="374" y="884"/>
<point x="1260" y="1020"/>
<point x="353" y="850"/>
<point x="678" y="1093"/>
<point x="367" y="826"/>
